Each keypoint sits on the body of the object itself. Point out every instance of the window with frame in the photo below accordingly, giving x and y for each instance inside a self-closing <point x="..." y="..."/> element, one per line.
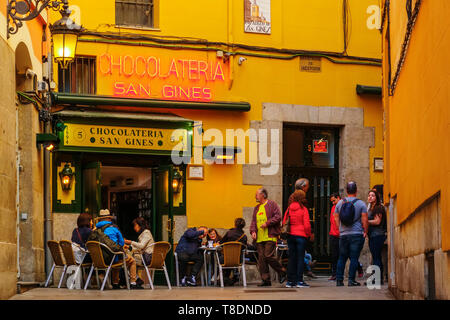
<point x="135" y="13"/>
<point x="79" y="77"/>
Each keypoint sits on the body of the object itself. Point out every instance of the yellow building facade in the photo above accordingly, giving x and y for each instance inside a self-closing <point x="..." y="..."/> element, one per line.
<point x="417" y="176"/>
<point x="141" y="70"/>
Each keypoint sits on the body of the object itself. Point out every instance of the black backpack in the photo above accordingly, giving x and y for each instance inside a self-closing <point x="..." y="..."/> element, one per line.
<point x="100" y="236"/>
<point x="347" y="213"/>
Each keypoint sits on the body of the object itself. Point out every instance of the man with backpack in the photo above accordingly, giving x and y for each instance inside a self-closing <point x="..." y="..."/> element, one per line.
<point x="109" y="234"/>
<point x="351" y="218"/>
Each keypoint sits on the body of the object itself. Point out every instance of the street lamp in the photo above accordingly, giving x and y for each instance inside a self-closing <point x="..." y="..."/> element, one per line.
<point x="64" y="31"/>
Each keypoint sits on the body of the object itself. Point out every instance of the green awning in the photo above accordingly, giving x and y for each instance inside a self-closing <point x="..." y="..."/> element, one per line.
<point x="90" y="130"/>
<point x="360" y="89"/>
<point x="66" y="99"/>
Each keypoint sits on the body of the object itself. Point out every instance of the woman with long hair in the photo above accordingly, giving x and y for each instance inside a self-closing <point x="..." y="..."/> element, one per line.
<point x="377" y="228"/>
<point x="300" y="231"/>
<point x="143" y="245"/>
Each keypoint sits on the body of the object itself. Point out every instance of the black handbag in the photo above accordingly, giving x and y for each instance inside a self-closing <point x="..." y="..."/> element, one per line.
<point x="286" y="228"/>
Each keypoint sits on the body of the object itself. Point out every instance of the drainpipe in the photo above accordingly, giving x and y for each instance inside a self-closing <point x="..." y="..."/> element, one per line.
<point x="17" y="191"/>
<point x="48" y="222"/>
<point x="48" y="232"/>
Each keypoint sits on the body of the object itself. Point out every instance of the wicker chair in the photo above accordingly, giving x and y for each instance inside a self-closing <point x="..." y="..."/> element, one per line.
<point x="69" y="256"/>
<point x="58" y="261"/>
<point x="175" y="255"/>
<point x="98" y="262"/>
<point x="160" y="250"/>
<point x="233" y="258"/>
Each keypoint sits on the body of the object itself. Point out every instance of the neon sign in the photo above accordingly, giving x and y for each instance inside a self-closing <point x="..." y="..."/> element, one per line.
<point x="152" y="77"/>
<point x="320" y="146"/>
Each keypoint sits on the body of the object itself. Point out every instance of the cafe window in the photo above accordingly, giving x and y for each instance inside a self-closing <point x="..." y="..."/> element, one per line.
<point x="135" y="13"/>
<point x="79" y="77"/>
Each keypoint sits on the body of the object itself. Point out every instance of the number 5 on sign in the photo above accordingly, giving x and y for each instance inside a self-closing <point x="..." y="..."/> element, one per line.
<point x="374" y="21"/>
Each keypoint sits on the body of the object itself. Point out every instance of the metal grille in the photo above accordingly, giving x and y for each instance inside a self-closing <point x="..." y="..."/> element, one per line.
<point x="134" y="13"/>
<point x="79" y="77"/>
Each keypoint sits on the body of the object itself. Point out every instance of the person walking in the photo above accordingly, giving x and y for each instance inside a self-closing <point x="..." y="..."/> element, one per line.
<point x="351" y="217"/>
<point x="334" y="236"/>
<point x="377" y="228"/>
<point x="265" y="229"/>
<point x="299" y="231"/>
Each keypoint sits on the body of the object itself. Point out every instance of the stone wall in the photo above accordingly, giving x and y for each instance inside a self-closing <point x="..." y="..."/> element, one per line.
<point x="414" y="239"/>
<point x="8" y="214"/>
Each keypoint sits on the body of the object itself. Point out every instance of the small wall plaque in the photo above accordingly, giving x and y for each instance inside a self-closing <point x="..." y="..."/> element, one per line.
<point x="378" y="164"/>
<point x="195" y="172"/>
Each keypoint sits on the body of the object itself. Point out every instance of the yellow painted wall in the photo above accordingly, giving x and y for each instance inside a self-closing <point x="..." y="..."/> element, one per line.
<point x="301" y="25"/>
<point x="419" y="117"/>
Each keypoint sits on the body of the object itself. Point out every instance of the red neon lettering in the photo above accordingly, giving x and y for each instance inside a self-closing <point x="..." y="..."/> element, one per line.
<point x="207" y="93"/>
<point x="125" y="59"/>
<point x="196" y="92"/>
<point x="193" y="68"/>
<point x="117" y="65"/>
<point x="108" y="62"/>
<point x="219" y="72"/>
<point x="140" y="58"/>
<point x="149" y="63"/>
<point x="173" y="69"/>
<point x="142" y="90"/>
<point x="119" y="88"/>
<point x="184" y="93"/>
<point x="203" y="68"/>
<point x="131" y="89"/>
<point x="183" y="63"/>
<point x="168" y="92"/>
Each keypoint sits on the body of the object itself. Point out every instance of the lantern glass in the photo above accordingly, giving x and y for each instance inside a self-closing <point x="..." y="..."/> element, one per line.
<point x="64" y="47"/>
<point x="66" y="176"/>
<point x="176" y="182"/>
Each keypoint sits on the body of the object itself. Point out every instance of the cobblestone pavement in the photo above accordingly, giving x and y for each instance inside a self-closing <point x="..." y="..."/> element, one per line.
<point x="320" y="289"/>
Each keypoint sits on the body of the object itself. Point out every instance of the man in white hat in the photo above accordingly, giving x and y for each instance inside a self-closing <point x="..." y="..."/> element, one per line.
<point x="105" y="218"/>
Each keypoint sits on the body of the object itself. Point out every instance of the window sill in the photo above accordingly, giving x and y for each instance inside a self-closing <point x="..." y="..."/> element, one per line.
<point x="137" y="28"/>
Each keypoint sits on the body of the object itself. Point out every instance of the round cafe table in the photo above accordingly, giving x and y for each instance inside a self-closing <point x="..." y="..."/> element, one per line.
<point x="208" y="254"/>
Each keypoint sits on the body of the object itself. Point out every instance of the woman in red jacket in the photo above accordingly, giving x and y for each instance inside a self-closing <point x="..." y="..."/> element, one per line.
<point x="300" y="231"/>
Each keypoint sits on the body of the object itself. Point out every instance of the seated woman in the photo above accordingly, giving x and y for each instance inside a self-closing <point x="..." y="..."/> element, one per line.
<point x="213" y="236"/>
<point x="234" y="234"/>
<point x="83" y="230"/>
<point x="80" y="236"/>
<point x="144" y="243"/>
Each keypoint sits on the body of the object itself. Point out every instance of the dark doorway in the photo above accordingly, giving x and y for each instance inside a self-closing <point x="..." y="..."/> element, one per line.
<point x="313" y="153"/>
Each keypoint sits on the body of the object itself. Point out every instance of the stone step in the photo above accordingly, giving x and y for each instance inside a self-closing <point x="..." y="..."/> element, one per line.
<point x="23" y="286"/>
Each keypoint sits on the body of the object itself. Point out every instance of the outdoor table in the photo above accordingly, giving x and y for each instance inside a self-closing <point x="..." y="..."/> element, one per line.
<point x="207" y="266"/>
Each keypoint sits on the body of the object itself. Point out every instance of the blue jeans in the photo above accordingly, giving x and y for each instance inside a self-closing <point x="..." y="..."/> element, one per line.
<point x="376" y="244"/>
<point x="296" y="246"/>
<point x="350" y="246"/>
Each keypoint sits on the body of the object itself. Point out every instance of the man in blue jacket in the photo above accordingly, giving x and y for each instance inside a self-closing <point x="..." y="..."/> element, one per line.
<point x="187" y="250"/>
<point x="115" y="235"/>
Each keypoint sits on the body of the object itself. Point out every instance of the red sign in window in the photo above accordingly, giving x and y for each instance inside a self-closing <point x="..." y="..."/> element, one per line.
<point x="320" y="146"/>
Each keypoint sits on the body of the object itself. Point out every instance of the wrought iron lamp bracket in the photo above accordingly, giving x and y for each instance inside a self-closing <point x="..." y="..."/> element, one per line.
<point x="25" y="10"/>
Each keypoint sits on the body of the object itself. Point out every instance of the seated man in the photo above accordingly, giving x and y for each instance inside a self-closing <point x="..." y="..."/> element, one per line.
<point x="187" y="250"/>
<point x="309" y="264"/>
<point x="105" y="224"/>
